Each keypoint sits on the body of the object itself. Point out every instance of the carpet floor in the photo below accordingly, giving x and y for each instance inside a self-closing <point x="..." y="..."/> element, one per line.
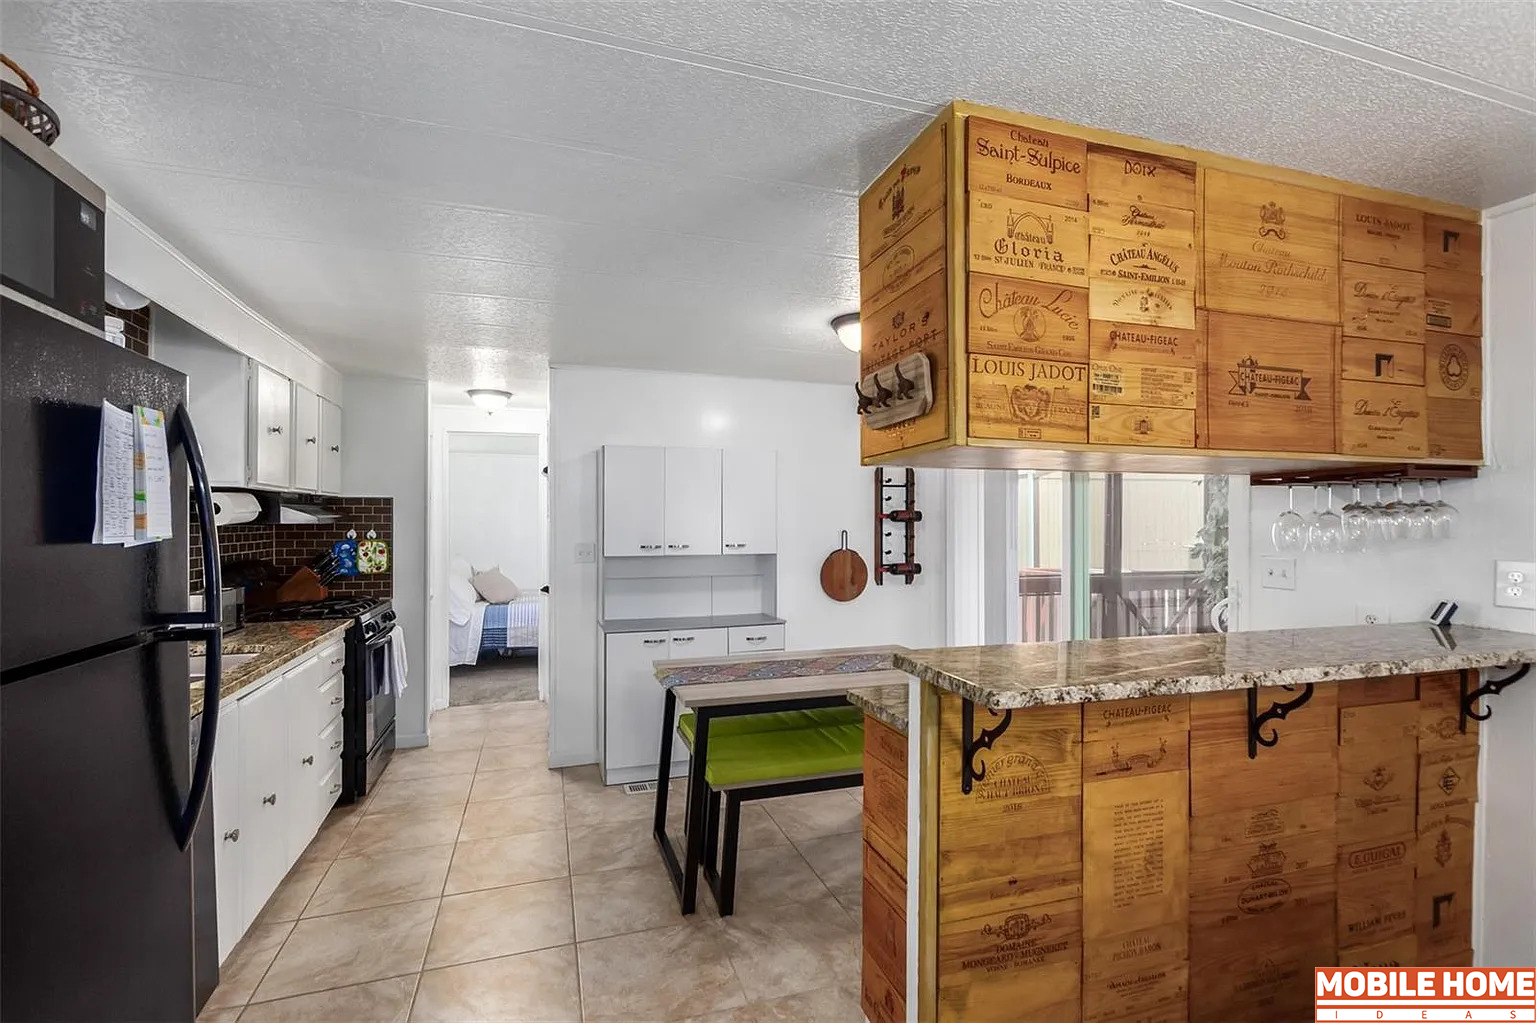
<point x="495" y="679"/>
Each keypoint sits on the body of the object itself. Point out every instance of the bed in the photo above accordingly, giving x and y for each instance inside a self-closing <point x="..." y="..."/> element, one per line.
<point x="476" y="626"/>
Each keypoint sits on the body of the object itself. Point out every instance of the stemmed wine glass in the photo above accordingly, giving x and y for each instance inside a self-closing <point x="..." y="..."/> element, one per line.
<point x="1326" y="534"/>
<point x="1289" y="531"/>
<point x="1356" y="518"/>
<point x="1379" y="522"/>
<point x="1395" y="514"/>
<point x="1442" y="516"/>
<point x="1419" y="518"/>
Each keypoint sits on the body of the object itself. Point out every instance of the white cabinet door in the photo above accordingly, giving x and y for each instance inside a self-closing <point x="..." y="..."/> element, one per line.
<point x="304" y="766"/>
<point x="306" y="439"/>
<point x="263" y="752"/>
<point x="271" y="428"/>
<point x="692" y="500"/>
<point x="697" y="643"/>
<point x="330" y="447"/>
<point x="749" y="502"/>
<point x="634" y="488"/>
<point x="226" y="824"/>
<point x="632" y="704"/>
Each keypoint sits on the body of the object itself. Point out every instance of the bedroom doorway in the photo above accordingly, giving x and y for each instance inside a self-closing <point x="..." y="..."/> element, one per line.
<point x="495" y="529"/>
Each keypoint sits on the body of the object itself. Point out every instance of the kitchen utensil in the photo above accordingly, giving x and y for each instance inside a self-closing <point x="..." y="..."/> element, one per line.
<point x="346" y="554"/>
<point x="373" y="555"/>
<point x="303" y="585"/>
<point x="844" y="574"/>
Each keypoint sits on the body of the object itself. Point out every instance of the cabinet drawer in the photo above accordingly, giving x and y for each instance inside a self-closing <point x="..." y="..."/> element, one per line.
<point x="333" y="659"/>
<point x="328" y="700"/>
<point x="329" y="790"/>
<point x="329" y="746"/>
<point x="751" y="638"/>
<point x="698" y="643"/>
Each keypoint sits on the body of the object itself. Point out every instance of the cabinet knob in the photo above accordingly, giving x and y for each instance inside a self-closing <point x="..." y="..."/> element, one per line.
<point x="311" y="440"/>
<point x="233" y="835"/>
<point x="335" y="700"/>
<point x="336" y="744"/>
<point x="274" y="429"/>
<point x="270" y="799"/>
<point x="336" y="448"/>
<point x="335" y="788"/>
<point x="308" y="761"/>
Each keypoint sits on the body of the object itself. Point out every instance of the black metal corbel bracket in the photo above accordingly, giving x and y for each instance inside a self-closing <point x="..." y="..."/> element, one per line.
<point x="971" y="744"/>
<point x="1493" y="687"/>
<point x="1277" y="711"/>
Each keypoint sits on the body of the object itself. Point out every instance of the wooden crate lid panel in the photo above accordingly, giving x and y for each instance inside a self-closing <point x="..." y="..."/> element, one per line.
<point x="1135" y="853"/>
<point x="1383" y="420"/>
<point x="1453" y="366"/>
<point x="1454" y="245"/>
<point x="1453" y="302"/>
<point x="1383" y="302"/>
<point x="1026" y="319"/>
<point x="1456" y="429"/>
<point x="1028" y="399"/>
<point x="1382" y="362"/>
<point x="917" y="321"/>
<point x="1382" y="234"/>
<point x="1141" y="343"/>
<point x="1033" y="240"/>
<point x="1270" y="383"/>
<point x="1376" y="889"/>
<point x="1143" y="425"/>
<point x="1133" y="383"/>
<point x="1026" y="163"/>
<point x="909" y="190"/>
<point x="1271" y="249"/>
<point x="914" y="257"/>
<point x="1124" y="175"/>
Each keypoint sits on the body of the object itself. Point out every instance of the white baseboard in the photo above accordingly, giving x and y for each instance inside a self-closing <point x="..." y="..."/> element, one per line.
<point x="625" y="775"/>
<point x="410" y="741"/>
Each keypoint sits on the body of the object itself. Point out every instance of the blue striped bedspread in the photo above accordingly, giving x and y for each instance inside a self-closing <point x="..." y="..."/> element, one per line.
<point x="511" y="626"/>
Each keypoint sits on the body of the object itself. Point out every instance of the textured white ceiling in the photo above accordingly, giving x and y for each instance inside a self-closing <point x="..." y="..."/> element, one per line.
<point x="468" y="190"/>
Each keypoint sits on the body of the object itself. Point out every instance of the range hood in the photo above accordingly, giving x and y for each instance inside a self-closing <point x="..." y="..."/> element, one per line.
<point x="241" y="507"/>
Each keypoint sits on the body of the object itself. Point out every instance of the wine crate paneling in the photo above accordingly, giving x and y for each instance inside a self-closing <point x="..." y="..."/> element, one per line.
<point x="1454" y="245"/>
<point x="1383" y="420"/>
<point x="1260" y="970"/>
<point x="1383" y="362"/>
<point x="1376" y="890"/>
<point x="1368" y="691"/>
<point x="1155" y="715"/>
<point x="1455" y="429"/>
<point x="1447" y="780"/>
<point x="1140" y="343"/>
<point x="1259" y="879"/>
<point x="1141" y="424"/>
<point x="884" y="911"/>
<point x="1270" y="384"/>
<point x="1402" y="951"/>
<point x="1131" y="738"/>
<point x="1449" y="959"/>
<point x="1454" y="366"/>
<point x="1028" y="399"/>
<point x="885" y="791"/>
<point x="1439" y="714"/>
<point x="916" y="321"/>
<point x="1378" y="789"/>
<point x="1018" y="238"/>
<point x="886" y="746"/>
<point x="1383" y="303"/>
<point x="1119" y="260"/>
<point x="1393" y="725"/>
<point x="1137" y="222"/>
<point x="1135" y="853"/>
<point x="1133" y="383"/>
<point x="1223" y="778"/>
<point x="908" y="191"/>
<point x="1124" y="175"/>
<point x="881" y="1000"/>
<point x="1446" y="840"/>
<point x="1026" y="319"/>
<point x="1026" y="163"/>
<point x="1271" y="249"/>
<point x="1453" y="303"/>
<point x="1443" y="914"/>
<point x="914" y="257"/>
<point x="1012" y="958"/>
<point x="1152" y="304"/>
<point x="1142" y="975"/>
<point x="1382" y="235"/>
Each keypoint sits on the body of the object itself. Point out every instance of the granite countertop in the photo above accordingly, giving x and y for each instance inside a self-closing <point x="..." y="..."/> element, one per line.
<point x="884" y="703"/>
<point x="776" y="664"/>
<point x="680" y="624"/>
<point x="275" y="643"/>
<point x="1081" y="671"/>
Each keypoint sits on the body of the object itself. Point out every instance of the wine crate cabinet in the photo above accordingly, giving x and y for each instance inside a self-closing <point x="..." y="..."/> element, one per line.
<point x="1324" y="321"/>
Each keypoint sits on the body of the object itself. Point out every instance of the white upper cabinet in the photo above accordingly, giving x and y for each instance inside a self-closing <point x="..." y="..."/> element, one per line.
<point x="271" y="428"/>
<point x="634" y="489"/>
<point x="330" y="447"/>
<point x="692" y="505"/>
<point x="306" y="439"/>
<point x="749" y="502"/>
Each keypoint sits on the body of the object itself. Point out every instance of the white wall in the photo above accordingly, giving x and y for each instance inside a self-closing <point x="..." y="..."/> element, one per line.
<point x="385" y="425"/>
<point x="1498" y="521"/>
<point x="494" y="518"/>
<point x="822" y="490"/>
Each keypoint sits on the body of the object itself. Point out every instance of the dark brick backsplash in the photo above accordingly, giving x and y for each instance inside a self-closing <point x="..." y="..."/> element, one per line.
<point x="291" y="547"/>
<point x="135" y="327"/>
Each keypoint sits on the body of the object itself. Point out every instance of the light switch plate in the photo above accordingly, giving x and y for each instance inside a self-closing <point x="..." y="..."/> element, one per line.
<point x="1278" y="573"/>
<point x="586" y="553"/>
<point x="1514" y="584"/>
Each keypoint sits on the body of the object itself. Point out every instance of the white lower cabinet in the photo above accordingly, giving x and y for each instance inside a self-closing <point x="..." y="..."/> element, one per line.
<point x="633" y="700"/>
<point x="276" y="774"/>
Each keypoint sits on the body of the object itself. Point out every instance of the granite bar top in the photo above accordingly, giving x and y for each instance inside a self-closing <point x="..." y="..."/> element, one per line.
<point x="884" y="703"/>
<point x="686" y="624"/>
<point x="276" y="645"/>
<point x="1082" y="671"/>
<point x="777" y="664"/>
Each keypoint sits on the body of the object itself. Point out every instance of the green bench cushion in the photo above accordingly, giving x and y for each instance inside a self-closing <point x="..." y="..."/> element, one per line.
<point x="765" y="756"/>
<point x="744" y="724"/>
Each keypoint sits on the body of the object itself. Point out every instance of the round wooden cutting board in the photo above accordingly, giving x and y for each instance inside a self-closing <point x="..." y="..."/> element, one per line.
<point x="844" y="574"/>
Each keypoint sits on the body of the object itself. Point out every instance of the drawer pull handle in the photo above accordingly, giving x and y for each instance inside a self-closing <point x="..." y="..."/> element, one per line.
<point x="232" y="835"/>
<point x="755" y="639"/>
<point x="335" y="700"/>
<point x="274" y="429"/>
<point x="335" y="447"/>
<point x="682" y="639"/>
<point x="734" y="546"/>
<point x="650" y="547"/>
<point x="270" y="799"/>
<point x="310" y="440"/>
<point x="335" y="788"/>
<point x="336" y="744"/>
<point x="678" y="546"/>
<point x="652" y="642"/>
<point x="308" y="761"/>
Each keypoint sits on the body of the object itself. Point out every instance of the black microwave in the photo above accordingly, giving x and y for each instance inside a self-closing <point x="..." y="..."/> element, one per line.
<point x="53" y="250"/>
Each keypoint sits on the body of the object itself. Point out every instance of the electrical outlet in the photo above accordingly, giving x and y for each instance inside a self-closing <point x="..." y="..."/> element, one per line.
<point x="1514" y="584"/>
<point x="586" y="553"/>
<point x="1372" y="614"/>
<point x="1278" y="573"/>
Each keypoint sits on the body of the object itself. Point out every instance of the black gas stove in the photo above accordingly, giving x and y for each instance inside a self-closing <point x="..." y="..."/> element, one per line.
<point x="368" y="711"/>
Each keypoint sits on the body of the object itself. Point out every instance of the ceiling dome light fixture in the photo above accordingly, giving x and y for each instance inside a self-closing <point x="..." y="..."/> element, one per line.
<point x="847" y="328"/>
<point x="489" y="398"/>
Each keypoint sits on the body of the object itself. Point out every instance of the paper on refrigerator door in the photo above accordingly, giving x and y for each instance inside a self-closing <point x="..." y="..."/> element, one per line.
<point x="152" y="476"/>
<point x="114" y="477"/>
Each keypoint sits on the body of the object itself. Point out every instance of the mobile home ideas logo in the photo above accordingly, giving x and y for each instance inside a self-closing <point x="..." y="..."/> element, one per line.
<point x="1396" y="995"/>
<point x="1251" y="380"/>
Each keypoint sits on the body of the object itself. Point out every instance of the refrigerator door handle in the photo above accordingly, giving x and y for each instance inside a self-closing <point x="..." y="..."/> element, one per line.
<point x="204" y="625"/>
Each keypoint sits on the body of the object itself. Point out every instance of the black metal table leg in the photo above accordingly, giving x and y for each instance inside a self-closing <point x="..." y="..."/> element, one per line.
<point x="725" y="896"/>
<point x="712" y="832"/>
<point x="698" y="797"/>
<point x="664" y="767"/>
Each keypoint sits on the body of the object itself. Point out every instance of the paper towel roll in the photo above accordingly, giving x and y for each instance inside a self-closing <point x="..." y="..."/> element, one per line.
<point x="231" y="508"/>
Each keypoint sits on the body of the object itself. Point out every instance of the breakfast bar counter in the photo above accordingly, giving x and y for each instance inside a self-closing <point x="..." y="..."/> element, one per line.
<point x="1172" y="828"/>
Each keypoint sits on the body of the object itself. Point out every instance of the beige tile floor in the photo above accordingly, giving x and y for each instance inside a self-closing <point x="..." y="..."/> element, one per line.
<point x="475" y="884"/>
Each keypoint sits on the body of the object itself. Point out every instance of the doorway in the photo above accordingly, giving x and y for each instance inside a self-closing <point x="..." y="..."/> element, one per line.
<point x="496" y="565"/>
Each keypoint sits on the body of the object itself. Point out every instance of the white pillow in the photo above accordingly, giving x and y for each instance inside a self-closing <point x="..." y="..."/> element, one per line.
<point x="494" y="586"/>
<point x="461" y="600"/>
<point x="462" y="569"/>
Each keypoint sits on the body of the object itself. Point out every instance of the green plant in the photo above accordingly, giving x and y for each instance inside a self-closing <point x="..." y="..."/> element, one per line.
<point x="1210" y="544"/>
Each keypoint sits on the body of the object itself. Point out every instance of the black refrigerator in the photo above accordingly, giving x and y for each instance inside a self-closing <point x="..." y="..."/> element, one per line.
<point x="100" y="794"/>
